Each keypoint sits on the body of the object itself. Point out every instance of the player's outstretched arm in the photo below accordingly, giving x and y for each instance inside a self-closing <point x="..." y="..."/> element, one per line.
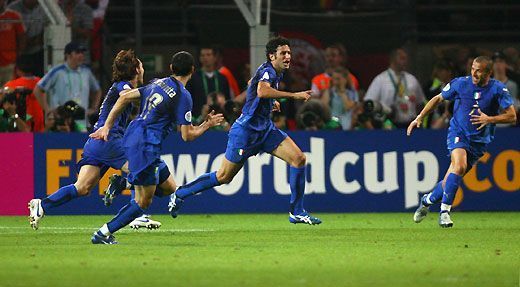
<point x="508" y="116"/>
<point x="125" y="97"/>
<point x="430" y="106"/>
<point x="190" y="132"/>
<point x="264" y="90"/>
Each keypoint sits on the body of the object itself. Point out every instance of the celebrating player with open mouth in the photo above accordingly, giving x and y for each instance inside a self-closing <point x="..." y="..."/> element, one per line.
<point x="478" y="102"/>
<point x="254" y="132"/>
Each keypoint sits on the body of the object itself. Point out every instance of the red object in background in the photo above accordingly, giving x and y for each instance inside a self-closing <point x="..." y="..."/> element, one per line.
<point x="96" y="45"/>
<point x="291" y="124"/>
<point x="234" y="58"/>
<point x="367" y="66"/>
<point x="16" y="172"/>
<point x="33" y="107"/>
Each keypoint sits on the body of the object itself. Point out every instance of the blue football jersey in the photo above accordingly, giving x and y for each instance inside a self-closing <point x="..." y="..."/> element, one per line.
<point x="164" y="103"/>
<point x="468" y="98"/>
<point x="256" y="113"/>
<point x="109" y="101"/>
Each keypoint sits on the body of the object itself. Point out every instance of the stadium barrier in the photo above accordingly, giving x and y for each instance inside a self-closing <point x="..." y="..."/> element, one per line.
<point x="363" y="171"/>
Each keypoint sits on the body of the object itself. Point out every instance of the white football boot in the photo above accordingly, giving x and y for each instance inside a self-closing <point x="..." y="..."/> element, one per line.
<point x="445" y="220"/>
<point x="144" y="221"/>
<point x="35" y="212"/>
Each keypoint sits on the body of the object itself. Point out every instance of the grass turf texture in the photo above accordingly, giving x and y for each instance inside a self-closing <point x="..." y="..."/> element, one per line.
<point x="483" y="249"/>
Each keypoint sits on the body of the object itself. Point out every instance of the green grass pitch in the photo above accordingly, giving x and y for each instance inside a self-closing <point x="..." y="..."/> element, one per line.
<point x="483" y="249"/>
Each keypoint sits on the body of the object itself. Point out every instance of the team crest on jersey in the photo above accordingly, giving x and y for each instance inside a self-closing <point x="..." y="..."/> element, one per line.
<point x="477" y="95"/>
<point x="447" y="87"/>
<point x="187" y="116"/>
<point x="265" y="76"/>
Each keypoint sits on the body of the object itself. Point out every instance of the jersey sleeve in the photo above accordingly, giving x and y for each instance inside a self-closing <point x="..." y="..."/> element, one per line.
<point x="121" y="86"/>
<point x="268" y="75"/>
<point x="504" y="98"/>
<point x="449" y="92"/>
<point x="183" y="110"/>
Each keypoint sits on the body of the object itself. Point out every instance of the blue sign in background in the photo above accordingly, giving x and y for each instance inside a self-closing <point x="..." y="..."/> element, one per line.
<point x="347" y="168"/>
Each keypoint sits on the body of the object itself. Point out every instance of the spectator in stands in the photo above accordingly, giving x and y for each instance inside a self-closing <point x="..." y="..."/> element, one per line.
<point x="397" y="90"/>
<point x="313" y="115"/>
<point x="371" y="115"/>
<point x="336" y="57"/>
<point x="341" y="97"/>
<point x="244" y="75"/>
<point x="99" y="8"/>
<point x="34" y="19"/>
<point x="10" y="118"/>
<point x="25" y="83"/>
<point x="513" y="63"/>
<point x="64" y="118"/>
<point x="12" y="40"/>
<point x="50" y="120"/>
<point x="443" y="72"/>
<point x="443" y="116"/>
<point x="226" y="72"/>
<point x="206" y="80"/>
<point x="70" y="81"/>
<point x="217" y="102"/>
<point x="80" y="18"/>
<point x="500" y="74"/>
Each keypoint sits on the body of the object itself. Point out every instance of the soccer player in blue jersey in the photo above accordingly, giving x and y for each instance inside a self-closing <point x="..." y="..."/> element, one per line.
<point x="163" y="102"/>
<point x="480" y="103"/>
<point x="98" y="155"/>
<point x="254" y="132"/>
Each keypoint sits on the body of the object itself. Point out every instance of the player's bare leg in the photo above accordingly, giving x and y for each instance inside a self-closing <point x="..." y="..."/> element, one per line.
<point x="88" y="178"/>
<point x="289" y="152"/>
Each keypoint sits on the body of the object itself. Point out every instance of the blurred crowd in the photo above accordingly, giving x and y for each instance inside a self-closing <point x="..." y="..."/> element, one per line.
<point x="68" y="96"/>
<point x="392" y="99"/>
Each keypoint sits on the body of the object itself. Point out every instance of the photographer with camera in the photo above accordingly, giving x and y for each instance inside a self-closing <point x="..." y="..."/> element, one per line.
<point x="216" y="101"/>
<point x="313" y="115"/>
<point x="23" y="87"/>
<point x="70" y="81"/>
<point x="66" y="117"/>
<point x="372" y="115"/>
<point x="12" y="117"/>
<point x="397" y="90"/>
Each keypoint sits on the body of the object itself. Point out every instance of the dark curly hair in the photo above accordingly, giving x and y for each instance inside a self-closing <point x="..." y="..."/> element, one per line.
<point x="125" y="66"/>
<point x="273" y="44"/>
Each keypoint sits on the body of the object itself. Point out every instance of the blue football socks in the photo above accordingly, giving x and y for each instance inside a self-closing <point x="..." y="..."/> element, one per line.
<point x="450" y="189"/>
<point x="435" y="196"/>
<point x="125" y="215"/>
<point x="202" y="183"/>
<point x="297" y="183"/>
<point x="61" y="196"/>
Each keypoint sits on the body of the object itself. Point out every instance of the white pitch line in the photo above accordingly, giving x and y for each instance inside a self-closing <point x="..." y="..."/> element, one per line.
<point x="62" y="229"/>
